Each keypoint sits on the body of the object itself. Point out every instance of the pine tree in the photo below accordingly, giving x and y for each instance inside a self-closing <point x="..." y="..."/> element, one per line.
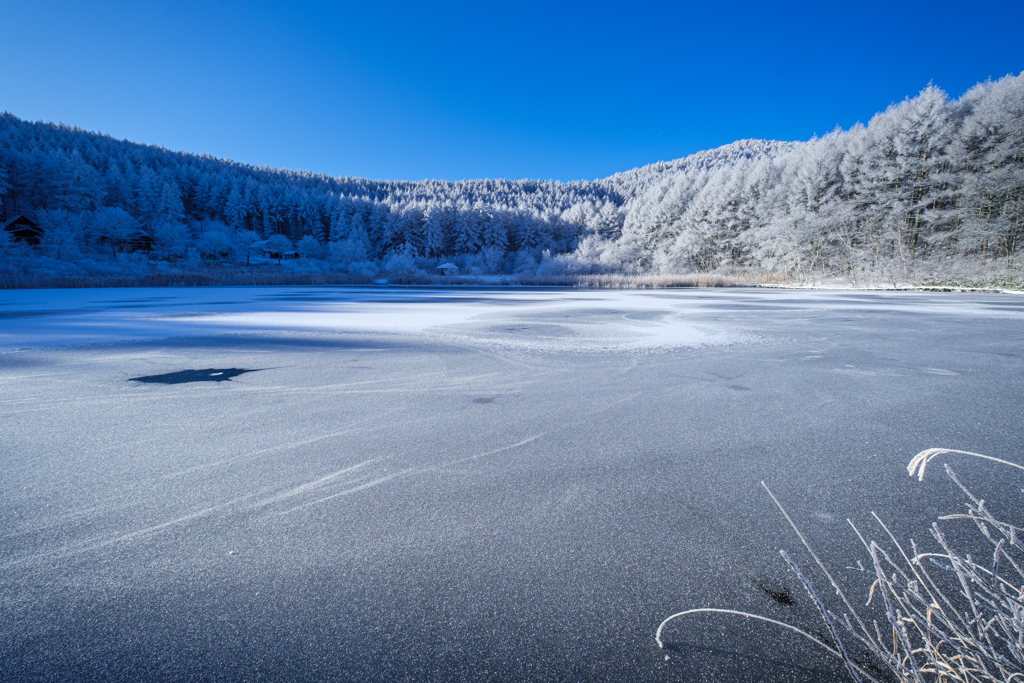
<point x="235" y="209"/>
<point x="467" y="231"/>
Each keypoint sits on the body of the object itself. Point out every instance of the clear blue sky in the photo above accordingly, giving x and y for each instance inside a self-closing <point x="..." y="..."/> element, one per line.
<point x="475" y="89"/>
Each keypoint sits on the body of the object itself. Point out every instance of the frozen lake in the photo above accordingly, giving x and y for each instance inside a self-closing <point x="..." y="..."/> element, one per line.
<point x="388" y="484"/>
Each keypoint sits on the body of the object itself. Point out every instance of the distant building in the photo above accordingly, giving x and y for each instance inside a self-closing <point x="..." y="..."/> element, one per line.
<point x="448" y="269"/>
<point x="140" y="241"/>
<point x="262" y="248"/>
<point x="24" y="229"/>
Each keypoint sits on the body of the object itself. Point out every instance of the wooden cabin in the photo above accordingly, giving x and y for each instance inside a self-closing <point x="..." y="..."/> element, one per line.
<point x="262" y="248"/>
<point x="140" y="241"/>
<point x="24" y="229"/>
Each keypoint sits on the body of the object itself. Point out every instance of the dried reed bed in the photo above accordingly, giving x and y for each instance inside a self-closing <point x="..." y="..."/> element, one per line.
<point x="270" y="276"/>
<point x="189" y="279"/>
<point x="615" y="281"/>
<point x="945" y="616"/>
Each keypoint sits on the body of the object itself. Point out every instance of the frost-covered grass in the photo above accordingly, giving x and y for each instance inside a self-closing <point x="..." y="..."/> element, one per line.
<point x="273" y="275"/>
<point x="1009" y="280"/>
<point x="268" y="275"/>
<point x="945" y="615"/>
<point x="640" y="281"/>
<point x="24" y="267"/>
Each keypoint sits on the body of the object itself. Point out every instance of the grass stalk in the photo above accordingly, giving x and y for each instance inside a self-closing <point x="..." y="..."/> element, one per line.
<point x="964" y="624"/>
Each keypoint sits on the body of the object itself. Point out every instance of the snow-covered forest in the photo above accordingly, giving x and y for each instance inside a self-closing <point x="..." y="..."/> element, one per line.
<point x="931" y="187"/>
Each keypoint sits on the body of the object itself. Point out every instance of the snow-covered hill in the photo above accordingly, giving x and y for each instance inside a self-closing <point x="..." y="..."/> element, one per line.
<point x="929" y="180"/>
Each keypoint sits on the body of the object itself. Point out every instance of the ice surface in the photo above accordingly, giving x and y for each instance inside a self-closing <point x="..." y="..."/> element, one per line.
<point x="519" y="318"/>
<point x="416" y="484"/>
<point x="543" y="320"/>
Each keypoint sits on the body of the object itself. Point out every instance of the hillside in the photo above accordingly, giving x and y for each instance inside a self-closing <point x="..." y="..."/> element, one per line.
<point x="931" y="187"/>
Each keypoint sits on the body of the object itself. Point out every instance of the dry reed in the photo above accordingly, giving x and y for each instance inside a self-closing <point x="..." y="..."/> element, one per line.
<point x="272" y="277"/>
<point x="947" y="617"/>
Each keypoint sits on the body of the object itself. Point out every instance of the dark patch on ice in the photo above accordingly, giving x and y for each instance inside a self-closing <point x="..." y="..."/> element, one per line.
<point x="540" y="329"/>
<point x="6" y="315"/>
<point x="780" y="597"/>
<point x="483" y="399"/>
<point x="646" y="316"/>
<point x="185" y="376"/>
<point x="427" y="297"/>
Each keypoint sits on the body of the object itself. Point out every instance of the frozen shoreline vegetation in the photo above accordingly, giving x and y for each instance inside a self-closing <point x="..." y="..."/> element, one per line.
<point x="929" y="192"/>
<point x="273" y="277"/>
<point x="929" y="632"/>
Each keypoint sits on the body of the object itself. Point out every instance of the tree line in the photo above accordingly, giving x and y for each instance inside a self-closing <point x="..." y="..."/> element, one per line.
<point x="931" y="182"/>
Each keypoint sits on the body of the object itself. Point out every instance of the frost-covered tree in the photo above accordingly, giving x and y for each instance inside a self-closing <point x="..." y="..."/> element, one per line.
<point x="990" y="152"/>
<point x="246" y="241"/>
<point x="279" y="244"/>
<point x="235" y="209"/>
<point x="63" y="232"/>
<point x="309" y="247"/>
<point x="215" y="245"/>
<point x="437" y="229"/>
<point x="116" y="227"/>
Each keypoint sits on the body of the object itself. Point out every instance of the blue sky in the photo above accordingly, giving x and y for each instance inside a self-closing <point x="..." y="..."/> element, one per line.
<point x="471" y="90"/>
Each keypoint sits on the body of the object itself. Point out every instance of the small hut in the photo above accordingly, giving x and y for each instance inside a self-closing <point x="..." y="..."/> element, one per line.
<point x="23" y="229"/>
<point x="262" y="248"/>
<point x="140" y="241"/>
<point x="448" y="269"/>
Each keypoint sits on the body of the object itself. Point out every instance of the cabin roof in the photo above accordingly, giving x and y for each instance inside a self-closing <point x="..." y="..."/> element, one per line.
<point x="21" y="218"/>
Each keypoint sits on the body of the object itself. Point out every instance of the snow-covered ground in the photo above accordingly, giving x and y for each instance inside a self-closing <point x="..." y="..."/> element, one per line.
<point x="458" y="484"/>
